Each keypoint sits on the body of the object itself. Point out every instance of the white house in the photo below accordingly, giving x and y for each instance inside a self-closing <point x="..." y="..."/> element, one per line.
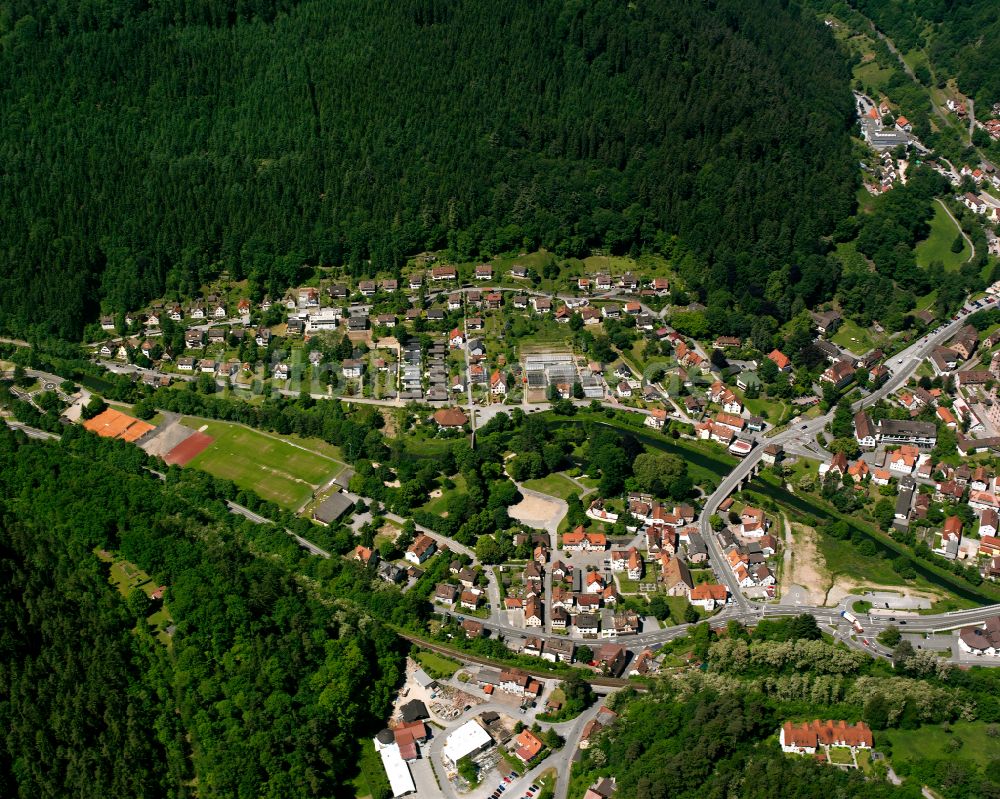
<point x="498" y="384"/>
<point x="421" y="549"/>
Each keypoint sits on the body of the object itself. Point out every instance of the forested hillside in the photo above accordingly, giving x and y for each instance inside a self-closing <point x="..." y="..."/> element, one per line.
<point x="961" y="37"/>
<point x="147" y="146"/>
<point x="713" y="732"/>
<point x="263" y="690"/>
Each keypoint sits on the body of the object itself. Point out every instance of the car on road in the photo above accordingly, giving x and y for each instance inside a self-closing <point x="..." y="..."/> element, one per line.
<point x="804" y="426"/>
<point x="902" y="621"/>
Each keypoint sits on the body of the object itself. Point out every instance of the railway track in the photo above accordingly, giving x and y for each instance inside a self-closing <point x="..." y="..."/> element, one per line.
<point x="609" y="682"/>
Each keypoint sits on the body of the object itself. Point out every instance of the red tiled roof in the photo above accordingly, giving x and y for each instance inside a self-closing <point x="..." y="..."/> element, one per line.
<point x="813" y="733"/>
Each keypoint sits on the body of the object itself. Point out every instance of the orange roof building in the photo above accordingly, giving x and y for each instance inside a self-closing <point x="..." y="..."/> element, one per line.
<point x="450" y="417"/>
<point x="780" y="359"/>
<point x="809" y="736"/>
<point x="580" y="539"/>
<point x="528" y="745"/>
<point x="709" y="591"/>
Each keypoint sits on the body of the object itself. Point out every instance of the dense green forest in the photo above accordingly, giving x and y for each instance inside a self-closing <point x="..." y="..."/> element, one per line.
<point x="713" y="732"/>
<point x="961" y="38"/>
<point x="147" y="146"/>
<point x="263" y="689"/>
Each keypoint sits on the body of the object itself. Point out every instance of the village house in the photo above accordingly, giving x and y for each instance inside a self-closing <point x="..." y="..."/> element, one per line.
<point x="439" y="273"/>
<point x="675" y="577"/>
<point x="839" y="374"/>
<point x="533" y="612"/>
<point x="656" y="419"/>
<point x="446" y="593"/>
<point x="517" y="682"/>
<point x="708" y="596"/>
<point x="352" y="368"/>
<point x="580" y="540"/>
<point x="421" y="549"/>
<point x="780" y="360"/>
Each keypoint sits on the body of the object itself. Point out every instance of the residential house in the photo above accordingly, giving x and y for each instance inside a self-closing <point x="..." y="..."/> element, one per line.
<point x="446" y="593"/>
<point x="439" y="273"/>
<point x="498" y="384"/>
<point x="421" y="549"/>
<point x="827" y="322"/>
<point x="541" y="304"/>
<point x="708" y="596"/>
<point x="839" y="374"/>
<point x="470" y="598"/>
<point x="675" y="577"/>
<point x="983" y="640"/>
<point x="526" y="746"/>
<point x="610" y="659"/>
<point x="559" y="650"/>
<point x="782" y="361"/>
<point x="352" y="368"/>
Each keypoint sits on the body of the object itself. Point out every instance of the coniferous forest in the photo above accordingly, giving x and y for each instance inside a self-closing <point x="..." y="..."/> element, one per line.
<point x="261" y="690"/>
<point x="148" y="146"/>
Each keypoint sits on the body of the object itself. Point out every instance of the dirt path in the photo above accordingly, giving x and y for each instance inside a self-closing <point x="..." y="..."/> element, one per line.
<point x="848" y="586"/>
<point x="584" y="490"/>
<point x="806" y="578"/>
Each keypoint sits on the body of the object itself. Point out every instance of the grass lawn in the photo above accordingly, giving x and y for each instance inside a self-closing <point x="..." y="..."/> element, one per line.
<point x="275" y="468"/>
<point x="547" y="783"/>
<point x="125" y="576"/>
<point x="608" y="264"/>
<point x="937" y="246"/>
<point x="850" y="336"/>
<point x="550" y="332"/>
<point x="555" y="484"/>
<point x="872" y="75"/>
<point x="771" y="409"/>
<point x="371" y="779"/>
<point x="678" y="605"/>
<point x="437" y="504"/>
<point x="932" y="742"/>
<point x="429" y="447"/>
<point x="839" y="754"/>
<point x="924" y="303"/>
<point x="438" y="666"/>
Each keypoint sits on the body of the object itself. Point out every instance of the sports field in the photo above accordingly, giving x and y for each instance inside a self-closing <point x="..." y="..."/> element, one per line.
<point x="283" y="469"/>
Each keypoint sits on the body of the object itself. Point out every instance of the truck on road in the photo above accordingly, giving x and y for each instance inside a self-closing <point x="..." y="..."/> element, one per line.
<point x="853" y="620"/>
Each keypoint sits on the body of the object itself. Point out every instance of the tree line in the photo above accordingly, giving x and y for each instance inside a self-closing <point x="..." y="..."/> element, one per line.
<point x="150" y="147"/>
